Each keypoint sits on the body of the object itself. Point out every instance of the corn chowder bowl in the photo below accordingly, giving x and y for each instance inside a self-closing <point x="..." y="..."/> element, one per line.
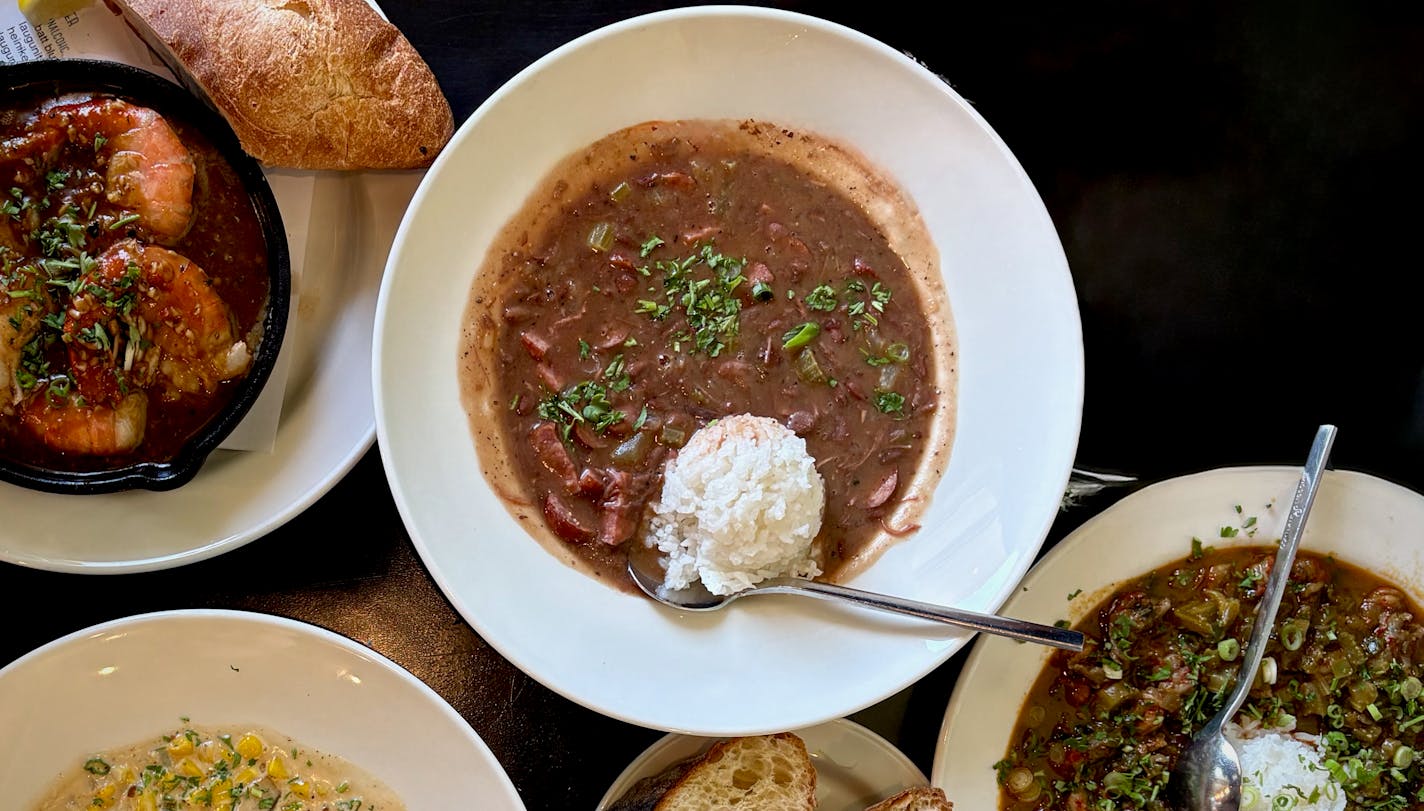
<point x="213" y="706"/>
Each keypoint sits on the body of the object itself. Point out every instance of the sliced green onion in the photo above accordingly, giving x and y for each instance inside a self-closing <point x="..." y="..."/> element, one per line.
<point x="1403" y="757"/>
<point x="122" y="221"/>
<point x="801" y="335"/>
<point x="897" y="352"/>
<point x="620" y="192"/>
<point x="1268" y="670"/>
<point x="1228" y="650"/>
<point x="601" y="237"/>
<point x="1410" y="688"/>
<point x="1112" y="669"/>
<point x="808" y="368"/>
<point x="1374" y="712"/>
<point x="1293" y="633"/>
<point x="761" y="291"/>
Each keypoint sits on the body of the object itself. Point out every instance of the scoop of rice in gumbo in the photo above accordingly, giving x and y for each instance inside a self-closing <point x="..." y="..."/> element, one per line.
<point x="742" y="502"/>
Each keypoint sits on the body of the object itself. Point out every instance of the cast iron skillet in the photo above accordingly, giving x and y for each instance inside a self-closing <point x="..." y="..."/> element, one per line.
<point x="57" y="76"/>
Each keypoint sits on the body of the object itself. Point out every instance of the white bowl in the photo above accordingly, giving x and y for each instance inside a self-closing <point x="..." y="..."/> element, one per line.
<point x="133" y="679"/>
<point x="1358" y="518"/>
<point x="770" y="663"/>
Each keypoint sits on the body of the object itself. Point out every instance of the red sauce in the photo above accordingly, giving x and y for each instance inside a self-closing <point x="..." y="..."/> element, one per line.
<point x="225" y="240"/>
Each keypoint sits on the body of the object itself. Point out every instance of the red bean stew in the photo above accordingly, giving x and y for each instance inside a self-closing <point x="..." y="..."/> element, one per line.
<point x="680" y="275"/>
<point x="133" y="282"/>
<point x="1101" y="729"/>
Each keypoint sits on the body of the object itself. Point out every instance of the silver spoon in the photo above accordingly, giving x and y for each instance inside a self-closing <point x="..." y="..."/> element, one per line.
<point x="1207" y="776"/>
<point x="649" y="577"/>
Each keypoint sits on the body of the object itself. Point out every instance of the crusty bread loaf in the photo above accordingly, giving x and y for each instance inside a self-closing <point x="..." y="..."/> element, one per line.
<point x="923" y="798"/>
<point x="308" y="84"/>
<point x="754" y="773"/>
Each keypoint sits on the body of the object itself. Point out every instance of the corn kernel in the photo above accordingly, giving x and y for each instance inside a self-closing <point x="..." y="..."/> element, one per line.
<point x="124" y="774"/>
<point x="247" y="776"/>
<point x="147" y="802"/>
<point x="323" y="787"/>
<point x="180" y="746"/>
<point x="250" y="746"/>
<point x="301" y="788"/>
<point x="187" y="767"/>
<point x="220" y="789"/>
<point x="277" y="768"/>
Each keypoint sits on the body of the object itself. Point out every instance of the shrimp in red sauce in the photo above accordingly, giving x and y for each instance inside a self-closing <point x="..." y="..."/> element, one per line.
<point x="116" y="338"/>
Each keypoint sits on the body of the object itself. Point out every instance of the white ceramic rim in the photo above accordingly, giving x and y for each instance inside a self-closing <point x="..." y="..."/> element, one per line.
<point x="997" y="674"/>
<point x="487" y="768"/>
<point x="499" y="633"/>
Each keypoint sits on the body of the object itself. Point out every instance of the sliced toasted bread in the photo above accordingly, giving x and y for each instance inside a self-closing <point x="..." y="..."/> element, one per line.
<point x="923" y="798"/>
<point x="754" y="773"/>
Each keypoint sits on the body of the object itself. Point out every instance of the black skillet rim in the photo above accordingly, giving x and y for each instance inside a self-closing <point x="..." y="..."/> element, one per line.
<point x="151" y="90"/>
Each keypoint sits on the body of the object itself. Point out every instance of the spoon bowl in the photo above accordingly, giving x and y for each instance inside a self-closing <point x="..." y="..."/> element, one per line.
<point x="647" y="573"/>
<point x="1207" y="776"/>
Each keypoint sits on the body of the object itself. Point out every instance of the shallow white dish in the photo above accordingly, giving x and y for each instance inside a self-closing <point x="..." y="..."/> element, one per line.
<point x="1359" y="518"/>
<point x="768" y="664"/>
<point x="124" y="681"/>
<point x="854" y="766"/>
<point x="327" y="421"/>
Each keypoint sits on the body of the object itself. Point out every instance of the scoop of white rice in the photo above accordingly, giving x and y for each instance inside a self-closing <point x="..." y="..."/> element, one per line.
<point x="741" y="503"/>
<point x="1276" y="764"/>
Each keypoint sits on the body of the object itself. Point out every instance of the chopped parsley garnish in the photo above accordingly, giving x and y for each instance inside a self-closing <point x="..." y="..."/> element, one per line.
<point x="822" y="298"/>
<point x="890" y="402"/>
<point x="95" y="765"/>
<point x="708" y="300"/>
<point x="649" y="246"/>
<point x="870" y="301"/>
<point x="585" y="402"/>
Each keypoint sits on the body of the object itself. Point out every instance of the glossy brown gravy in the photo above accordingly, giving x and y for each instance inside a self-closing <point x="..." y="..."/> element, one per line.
<point x="1104" y="727"/>
<point x="677" y="272"/>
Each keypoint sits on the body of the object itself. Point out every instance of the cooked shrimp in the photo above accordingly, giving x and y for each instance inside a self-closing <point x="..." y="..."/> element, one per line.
<point x="71" y="424"/>
<point x="149" y="170"/>
<point x="162" y="307"/>
<point x="20" y="318"/>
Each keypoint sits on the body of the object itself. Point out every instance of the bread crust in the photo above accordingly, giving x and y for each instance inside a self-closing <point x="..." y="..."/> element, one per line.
<point x="756" y="773"/>
<point x="919" y="798"/>
<point x="308" y="84"/>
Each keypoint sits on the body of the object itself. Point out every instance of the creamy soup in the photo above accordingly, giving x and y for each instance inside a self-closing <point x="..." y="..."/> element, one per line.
<point x="233" y="768"/>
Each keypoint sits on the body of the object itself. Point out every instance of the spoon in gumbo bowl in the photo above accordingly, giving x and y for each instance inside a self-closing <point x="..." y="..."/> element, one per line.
<point x="1207" y="776"/>
<point x="649" y="577"/>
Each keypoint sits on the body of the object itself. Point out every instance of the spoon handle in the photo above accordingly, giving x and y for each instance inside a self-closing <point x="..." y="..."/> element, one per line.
<point x="1065" y="638"/>
<point x="1305" y="491"/>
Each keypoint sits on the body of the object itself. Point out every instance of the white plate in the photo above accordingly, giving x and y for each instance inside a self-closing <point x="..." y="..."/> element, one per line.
<point x="327" y="419"/>
<point x="125" y="681"/>
<point x="1360" y="519"/>
<point x="854" y="766"/>
<point x="772" y="663"/>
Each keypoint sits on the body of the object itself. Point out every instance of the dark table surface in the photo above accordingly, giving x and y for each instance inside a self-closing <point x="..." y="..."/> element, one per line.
<point x="1237" y="189"/>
